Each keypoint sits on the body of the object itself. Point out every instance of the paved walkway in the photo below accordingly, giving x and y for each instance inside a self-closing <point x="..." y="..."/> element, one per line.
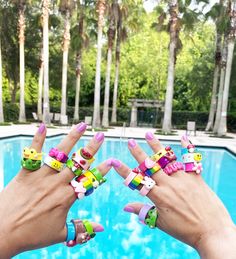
<point x="202" y="138"/>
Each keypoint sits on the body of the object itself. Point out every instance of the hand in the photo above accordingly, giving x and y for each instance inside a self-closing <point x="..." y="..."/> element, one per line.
<point x="35" y="204"/>
<point x="188" y="209"/>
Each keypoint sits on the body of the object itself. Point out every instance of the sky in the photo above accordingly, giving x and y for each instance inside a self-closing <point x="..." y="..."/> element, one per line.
<point x="150" y="4"/>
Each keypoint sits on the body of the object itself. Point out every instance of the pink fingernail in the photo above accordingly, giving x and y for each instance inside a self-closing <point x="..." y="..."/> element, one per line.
<point x="41" y="128"/>
<point x="81" y="127"/>
<point x="109" y="162"/>
<point x="99" y="229"/>
<point x="116" y="163"/>
<point x="99" y="136"/>
<point x="149" y="136"/>
<point x="128" y="209"/>
<point x="132" y="143"/>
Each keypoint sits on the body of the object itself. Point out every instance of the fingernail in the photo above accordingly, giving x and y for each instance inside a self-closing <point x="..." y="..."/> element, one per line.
<point x="41" y="128"/>
<point x="81" y="127"/>
<point x="116" y="163"/>
<point x="99" y="136"/>
<point x="185" y="137"/>
<point x="99" y="229"/>
<point x="149" y="136"/>
<point x="109" y="162"/>
<point x="128" y="209"/>
<point x="132" y="143"/>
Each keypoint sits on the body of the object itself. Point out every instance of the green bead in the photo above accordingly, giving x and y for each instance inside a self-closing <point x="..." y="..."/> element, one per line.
<point x="30" y="164"/>
<point x="151" y="218"/>
<point x="70" y="164"/>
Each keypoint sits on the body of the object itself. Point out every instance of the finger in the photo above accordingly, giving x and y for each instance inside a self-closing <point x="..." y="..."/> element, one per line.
<point x="39" y="138"/>
<point x="135" y="208"/>
<point x="68" y="142"/>
<point x="81" y="231"/>
<point x="123" y="170"/>
<point x="153" y="142"/>
<point x="37" y="143"/>
<point x="156" y="146"/>
<point x="137" y="152"/>
<point x="92" y="147"/>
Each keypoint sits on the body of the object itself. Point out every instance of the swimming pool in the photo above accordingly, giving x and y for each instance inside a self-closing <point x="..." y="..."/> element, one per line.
<point x="124" y="237"/>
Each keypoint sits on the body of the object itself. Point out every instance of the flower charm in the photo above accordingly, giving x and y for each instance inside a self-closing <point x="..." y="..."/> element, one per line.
<point x="198" y="168"/>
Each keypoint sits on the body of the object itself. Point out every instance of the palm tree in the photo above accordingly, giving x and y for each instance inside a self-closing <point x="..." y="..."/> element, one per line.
<point x="21" y="26"/>
<point x="46" y="108"/>
<point x="174" y="35"/>
<point x="216" y="13"/>
<point x="66" y="7"/>
<point x="222" y="129"/>
<point x="128" y="20"/>
<point x="40" y="85"/>
<point x="113" y="17"/>
<point x="101" y="7"/>
<point x="1" y="105"/>
<point x="221" y="87"/>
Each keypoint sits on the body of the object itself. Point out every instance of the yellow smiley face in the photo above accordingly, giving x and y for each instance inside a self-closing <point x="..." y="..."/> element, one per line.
<point x="197" y="157"/>
<point x="56" y="165"/>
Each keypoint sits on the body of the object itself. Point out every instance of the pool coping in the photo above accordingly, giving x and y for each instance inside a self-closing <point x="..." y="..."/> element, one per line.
<point x="227" y="148"/>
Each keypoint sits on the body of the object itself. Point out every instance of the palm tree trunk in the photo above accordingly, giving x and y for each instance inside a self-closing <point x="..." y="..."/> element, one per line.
<point x="221" y="87"/>
<point x="1" y="104"/>
<point x="173" y="9"/>
<point x="115" y="91"/>
<point x="46" y="107"/>
<point x="215" y="82"/>
<point x="96" y="110"/>
<point x="105" y="118"/>
<point x="66" y="43"/>
<point x="40" y="88"/>
<point x="222" y="129"/>
<point x="21" y="24"/>
<point x="111" y="36"/>
<point x="78" y="76"/>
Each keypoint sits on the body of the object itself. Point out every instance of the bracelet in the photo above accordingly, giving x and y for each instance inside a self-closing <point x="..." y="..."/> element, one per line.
<point x="172" y="168"/>
<point x="92" y="178"/>
<point x="58" y="155"/>
<point x="75" y="167"/>
<point x="89" y="228"/>
<point x="153" y="170"/>
<point x="71" y="231"/>
<point x="129" y="178"/>
<point x="31" y="153"/>
<point x="144" y="211"/>
<point x="146" y="164"/>
<point x="148" y="184"/>
<point x="98" y="176"/>
<point x="53" y="163"/>
<point x="83" y="158"/>
<point x="151" y="218"/>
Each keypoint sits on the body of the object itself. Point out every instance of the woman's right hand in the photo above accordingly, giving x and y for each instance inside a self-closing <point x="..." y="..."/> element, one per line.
<point x="188" y="209"/>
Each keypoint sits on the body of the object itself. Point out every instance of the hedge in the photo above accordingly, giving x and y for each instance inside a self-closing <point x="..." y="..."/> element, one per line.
<point x="179" y="118"/>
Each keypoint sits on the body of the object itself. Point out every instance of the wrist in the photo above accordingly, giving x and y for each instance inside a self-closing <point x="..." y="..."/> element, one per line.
<point x="218" y="244"/>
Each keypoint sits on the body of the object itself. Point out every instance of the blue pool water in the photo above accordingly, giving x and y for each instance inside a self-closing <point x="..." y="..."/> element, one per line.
<point x="124" y="237"/>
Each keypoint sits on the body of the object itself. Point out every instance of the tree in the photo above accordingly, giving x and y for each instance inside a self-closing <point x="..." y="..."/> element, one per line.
<point x="1" y="99"/>
<point x="221" y="87"/>
<point x="174" y="34"/>
<point x="66" y="8"/>
<point x="21" y="26"/>
<point x="46" y="107"/>
<point x="217" y="13"/>
<point x="113" y="17"/>
<point x="40" y="85"/>
<point x="101" y="7"/>
<point x="222" y="129"/>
